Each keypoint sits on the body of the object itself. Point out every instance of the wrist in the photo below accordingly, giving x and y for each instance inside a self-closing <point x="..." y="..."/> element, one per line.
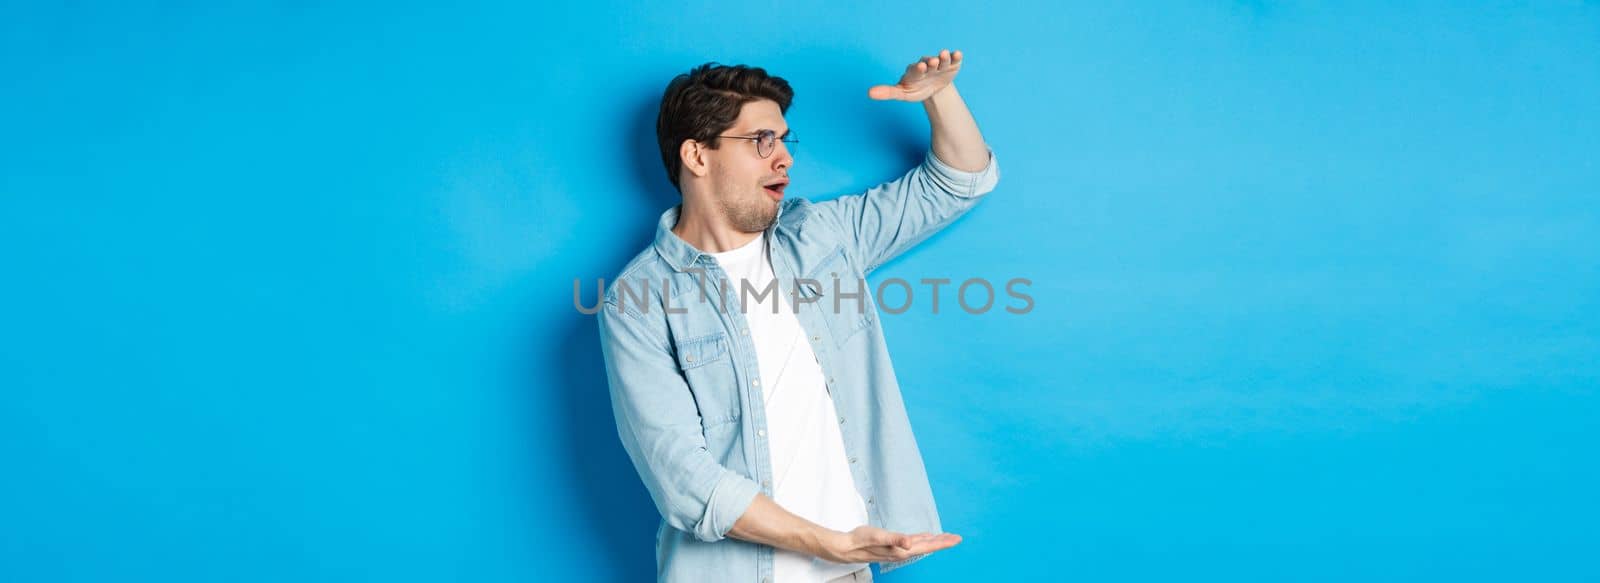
<point x="820" y="541"/>
<point x="940" y="97"/>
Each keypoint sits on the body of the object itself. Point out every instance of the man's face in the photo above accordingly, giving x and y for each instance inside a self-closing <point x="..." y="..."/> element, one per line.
<point x="741" y="177"/>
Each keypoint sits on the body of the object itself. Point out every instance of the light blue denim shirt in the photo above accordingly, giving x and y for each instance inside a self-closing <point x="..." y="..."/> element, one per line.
<point x="685" y="386"/>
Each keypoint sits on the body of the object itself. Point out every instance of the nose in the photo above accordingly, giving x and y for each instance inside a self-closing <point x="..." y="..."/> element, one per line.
<point x="781" y="160"/>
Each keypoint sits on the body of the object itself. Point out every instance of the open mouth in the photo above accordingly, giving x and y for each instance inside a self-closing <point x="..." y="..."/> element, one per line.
<point x="775" y="190"/>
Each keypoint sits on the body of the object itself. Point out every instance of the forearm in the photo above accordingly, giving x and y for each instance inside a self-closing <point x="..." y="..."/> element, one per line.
<point x="768" y="523"/>
<point x="956" y="139"/>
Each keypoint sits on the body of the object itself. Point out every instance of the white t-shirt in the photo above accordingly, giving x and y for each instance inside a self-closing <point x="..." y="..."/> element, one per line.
<point x="811" y="475"/>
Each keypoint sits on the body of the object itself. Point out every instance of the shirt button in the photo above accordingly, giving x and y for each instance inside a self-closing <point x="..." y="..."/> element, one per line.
<point x="852" y="460"/>
<point x="761" y="433"/>
<point x="755" y="383"/>
<point x="688" y="358"/>
<point x="766" y="483"/>
<point x="815" y="338"/>
<point x="841" y="419"/>
<point x="744" y="331"/>
<point x="830" y="380"/>
<point x="869" y="500"/>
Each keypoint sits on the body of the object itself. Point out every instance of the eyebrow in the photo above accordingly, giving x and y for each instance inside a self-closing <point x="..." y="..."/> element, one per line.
<point x="757" y="131"/>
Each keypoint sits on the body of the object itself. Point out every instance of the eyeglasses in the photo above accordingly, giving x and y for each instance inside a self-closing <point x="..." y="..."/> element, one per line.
<point x="766" y="141"/>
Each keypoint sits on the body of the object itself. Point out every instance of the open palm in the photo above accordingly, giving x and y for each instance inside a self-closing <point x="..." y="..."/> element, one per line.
<point x="922" y="78"/>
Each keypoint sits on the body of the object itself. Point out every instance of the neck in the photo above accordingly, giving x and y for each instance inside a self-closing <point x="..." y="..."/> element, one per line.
<point x="708" y="231"/>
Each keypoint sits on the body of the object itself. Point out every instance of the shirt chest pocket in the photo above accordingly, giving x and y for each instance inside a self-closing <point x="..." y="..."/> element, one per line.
<point x="708" y="367"/>
<point x="840" y="295"/>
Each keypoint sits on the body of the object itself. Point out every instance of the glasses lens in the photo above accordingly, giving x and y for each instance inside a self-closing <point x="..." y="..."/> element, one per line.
<point x="765" y="143"/>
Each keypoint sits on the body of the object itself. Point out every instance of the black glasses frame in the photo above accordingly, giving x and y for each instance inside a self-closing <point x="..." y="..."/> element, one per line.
<point x="766" y="141"/>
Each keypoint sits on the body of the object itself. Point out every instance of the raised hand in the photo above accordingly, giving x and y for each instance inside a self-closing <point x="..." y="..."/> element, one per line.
<point x="922" y="78"/>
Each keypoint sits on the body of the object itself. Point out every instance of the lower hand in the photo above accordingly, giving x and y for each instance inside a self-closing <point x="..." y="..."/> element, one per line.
<point x="870" y="544"/>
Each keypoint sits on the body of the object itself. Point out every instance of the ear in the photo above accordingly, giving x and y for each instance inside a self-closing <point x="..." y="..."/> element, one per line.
<point x="695" y="157"/>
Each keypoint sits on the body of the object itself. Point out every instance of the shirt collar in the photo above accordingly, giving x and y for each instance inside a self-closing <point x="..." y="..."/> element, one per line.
<point x="679" y="253"/>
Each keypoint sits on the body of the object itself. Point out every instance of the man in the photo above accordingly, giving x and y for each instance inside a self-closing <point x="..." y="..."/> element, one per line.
<point x="750" y="382"/>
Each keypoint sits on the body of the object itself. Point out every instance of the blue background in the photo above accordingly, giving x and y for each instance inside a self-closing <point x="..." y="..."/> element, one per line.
<point x="288" y="289"/>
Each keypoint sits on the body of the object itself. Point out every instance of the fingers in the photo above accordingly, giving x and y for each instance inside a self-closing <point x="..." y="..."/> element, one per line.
<point x="941" y="541"/>
<point x="948" y="60"/>
<point x="944" y="61"/>
<point x="922" y="544"/>
<point x="922" y="538"/>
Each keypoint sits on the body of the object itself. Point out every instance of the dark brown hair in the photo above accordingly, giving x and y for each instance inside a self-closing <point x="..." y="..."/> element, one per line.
<point x="705" y="102"/>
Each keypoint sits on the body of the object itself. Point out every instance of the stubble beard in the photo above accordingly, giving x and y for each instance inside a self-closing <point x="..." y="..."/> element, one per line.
<point x="749" y="214"/>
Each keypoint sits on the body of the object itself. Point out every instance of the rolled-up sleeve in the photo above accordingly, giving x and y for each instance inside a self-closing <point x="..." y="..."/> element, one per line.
<point x="895" y="216"/>
<point x="960" y="182"/>
<point x="660" y="429"/>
